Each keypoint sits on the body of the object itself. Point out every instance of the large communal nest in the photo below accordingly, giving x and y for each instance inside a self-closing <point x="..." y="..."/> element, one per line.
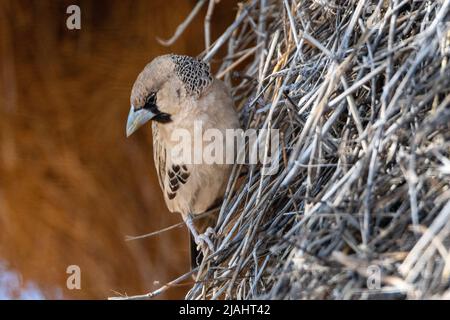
<point x="360" y="208"/>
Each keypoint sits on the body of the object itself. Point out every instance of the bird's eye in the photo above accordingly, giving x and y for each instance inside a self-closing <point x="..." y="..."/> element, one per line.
<point x="150" y="102"/>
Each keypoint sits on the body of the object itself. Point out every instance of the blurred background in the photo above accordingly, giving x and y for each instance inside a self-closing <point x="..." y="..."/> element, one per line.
<point x="71" y="185"/>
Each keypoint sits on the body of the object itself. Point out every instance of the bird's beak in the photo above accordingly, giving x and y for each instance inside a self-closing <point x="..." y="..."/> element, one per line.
<point x="137" y="118"/>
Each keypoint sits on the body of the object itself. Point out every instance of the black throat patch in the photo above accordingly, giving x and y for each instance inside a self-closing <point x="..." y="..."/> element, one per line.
<point x="151" y="106"/>
<point x="162" y="117"/>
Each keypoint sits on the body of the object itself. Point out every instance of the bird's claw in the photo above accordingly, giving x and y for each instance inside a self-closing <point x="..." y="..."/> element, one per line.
<point x="203" y="241"/>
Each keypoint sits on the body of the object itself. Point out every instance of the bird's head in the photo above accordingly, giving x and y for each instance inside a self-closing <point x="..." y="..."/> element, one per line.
<point x="162" y="85"/>
<point x="145" y="100"/>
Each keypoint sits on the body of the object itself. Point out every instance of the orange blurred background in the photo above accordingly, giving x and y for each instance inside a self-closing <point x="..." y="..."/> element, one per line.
<point x="71" y="185"/>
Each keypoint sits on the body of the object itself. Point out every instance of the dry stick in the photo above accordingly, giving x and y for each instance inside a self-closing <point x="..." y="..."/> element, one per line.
<point x="414" y="254"/>
<point x="357" y="85"/>
<point x="292" y="23"/>
<point x="219" y="42"/>
<point x="261" y="37"/>
<point x="354" y="112"/>
<point x="207" y="24"/>
<point x="158" y="291"/>
<point x="412" y="181"/>
<point x="351" y="26"/>
<point x="237" y="62"/>
<point x="178" y="225"/>
<point x="436" y="245"/>
<point x="309" y="169"/>
<point x="182" y="27"/>
<point x="268" y="60"/>
<point x="151" y="234"/>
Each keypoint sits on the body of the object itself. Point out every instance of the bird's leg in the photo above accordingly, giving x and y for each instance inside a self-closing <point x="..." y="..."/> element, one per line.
<point x="201" y="240"/>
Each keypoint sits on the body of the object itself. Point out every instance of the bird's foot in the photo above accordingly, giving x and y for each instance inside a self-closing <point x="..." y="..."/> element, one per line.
<point x="203" y="241"/>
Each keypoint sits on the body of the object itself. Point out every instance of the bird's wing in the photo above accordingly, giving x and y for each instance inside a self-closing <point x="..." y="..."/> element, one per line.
<point x="159" y="155"/>
<point x="171" y="176"/>
<point x="178" y="175"/>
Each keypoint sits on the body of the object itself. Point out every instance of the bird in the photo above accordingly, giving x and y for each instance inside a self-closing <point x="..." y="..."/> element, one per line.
<point x="175" y="92"/>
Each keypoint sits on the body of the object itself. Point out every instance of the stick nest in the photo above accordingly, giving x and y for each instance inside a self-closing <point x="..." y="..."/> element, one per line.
<point x="360" y="207"/>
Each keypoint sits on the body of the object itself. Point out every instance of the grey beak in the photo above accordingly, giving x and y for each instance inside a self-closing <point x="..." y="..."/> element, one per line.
<point x="137" y="119"/>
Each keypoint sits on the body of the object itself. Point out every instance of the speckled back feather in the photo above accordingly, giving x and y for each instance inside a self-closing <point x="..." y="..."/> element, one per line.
<point x="194" y="73"/>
